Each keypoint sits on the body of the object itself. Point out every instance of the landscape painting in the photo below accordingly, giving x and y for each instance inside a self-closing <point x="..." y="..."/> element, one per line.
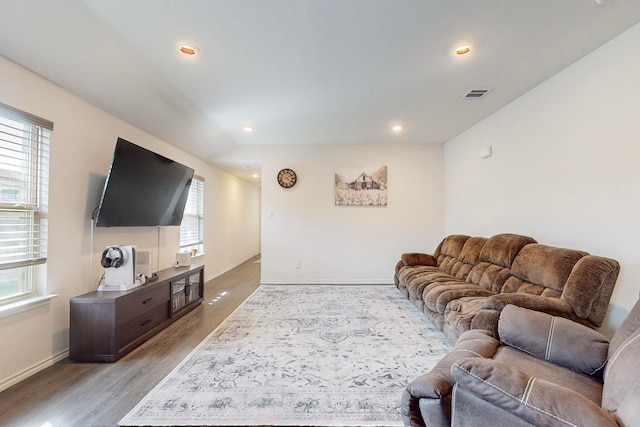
<point x="361" y="186"/>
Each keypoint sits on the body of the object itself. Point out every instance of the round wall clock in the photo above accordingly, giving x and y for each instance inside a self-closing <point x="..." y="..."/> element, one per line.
<point x="287" y="178"/>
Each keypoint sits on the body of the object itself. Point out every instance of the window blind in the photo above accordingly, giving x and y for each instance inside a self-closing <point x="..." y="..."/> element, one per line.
<point x="24" y="183"/>
<point x="192" y="227"/>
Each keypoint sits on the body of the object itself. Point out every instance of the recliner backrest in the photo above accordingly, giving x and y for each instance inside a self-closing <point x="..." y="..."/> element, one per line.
<point x="589" y="287"/>
<point x="469" y="257"/>
<point x="621" y="376"/>
<point x="542" y="270"/>
<point x="630" y="325"/>
<point x="448" y="252"/>
<point x="496" y="259"/>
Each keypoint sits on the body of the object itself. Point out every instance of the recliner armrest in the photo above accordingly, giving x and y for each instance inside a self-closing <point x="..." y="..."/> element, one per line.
<point x="415" y="258"/>
<point x="556" y="339"/>
<point x="433" y="390"/>
<point x="535" y="400"/>
<point x="438" y="382"/>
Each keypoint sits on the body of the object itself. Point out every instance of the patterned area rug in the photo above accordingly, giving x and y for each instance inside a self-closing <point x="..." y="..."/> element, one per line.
<point x="300" y="355"/>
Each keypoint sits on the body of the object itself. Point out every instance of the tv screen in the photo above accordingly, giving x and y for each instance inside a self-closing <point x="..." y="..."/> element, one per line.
<point x="143" y="189"/>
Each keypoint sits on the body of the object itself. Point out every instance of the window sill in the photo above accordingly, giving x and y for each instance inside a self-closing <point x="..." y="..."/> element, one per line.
<point x="24" y="305"/>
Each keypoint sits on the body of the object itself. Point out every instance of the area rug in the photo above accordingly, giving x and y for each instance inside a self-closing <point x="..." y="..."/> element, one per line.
<point x="321" y="355"/>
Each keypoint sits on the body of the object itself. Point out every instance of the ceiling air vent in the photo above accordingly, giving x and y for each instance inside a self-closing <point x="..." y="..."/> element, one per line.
<point x="475" y="94"/>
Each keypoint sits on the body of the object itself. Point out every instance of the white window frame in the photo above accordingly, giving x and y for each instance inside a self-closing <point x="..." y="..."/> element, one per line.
<point x="24" y="185"/>
<point x="192" y="227"/>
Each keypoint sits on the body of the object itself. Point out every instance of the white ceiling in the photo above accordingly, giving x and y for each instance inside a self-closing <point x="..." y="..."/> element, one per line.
<point x="303" y="71"/>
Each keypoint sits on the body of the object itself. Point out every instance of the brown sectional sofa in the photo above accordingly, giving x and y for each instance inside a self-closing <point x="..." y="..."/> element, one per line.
<point x="468" y="281"/>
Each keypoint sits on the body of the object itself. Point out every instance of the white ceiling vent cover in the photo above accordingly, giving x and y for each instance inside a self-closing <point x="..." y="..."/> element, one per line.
<point x="475" y="94"/>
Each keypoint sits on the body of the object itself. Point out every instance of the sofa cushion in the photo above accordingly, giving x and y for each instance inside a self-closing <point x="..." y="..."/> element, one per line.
<point x="555" y="339"/>
<point x="459" y="314"/>
<point x="437" y="296"/>
<point x="535" y="400"/>
<point x="419" y="277"/>
<point x="590" y="387"/>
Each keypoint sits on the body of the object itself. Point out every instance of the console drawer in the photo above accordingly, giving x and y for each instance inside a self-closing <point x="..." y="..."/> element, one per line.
<point x="141" y="302"/>
<point x="138" y="326"/>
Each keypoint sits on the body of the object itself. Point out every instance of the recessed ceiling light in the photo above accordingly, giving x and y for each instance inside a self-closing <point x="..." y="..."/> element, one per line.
<point x="396" y="128"/>
<point x="461" y="50"/>
<point x="255" y="175"/>
<point x="188" y="50"/>
<point x="247" y="129"/>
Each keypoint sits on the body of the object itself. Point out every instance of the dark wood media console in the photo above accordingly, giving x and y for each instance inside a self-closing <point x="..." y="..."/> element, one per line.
<point x="104" y="326"/>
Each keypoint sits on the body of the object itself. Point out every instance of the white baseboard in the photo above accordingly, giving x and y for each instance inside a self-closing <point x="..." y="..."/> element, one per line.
<point x="220" y="273"/>
<point x="32" y="370"/>
<point x="326" y="282"/>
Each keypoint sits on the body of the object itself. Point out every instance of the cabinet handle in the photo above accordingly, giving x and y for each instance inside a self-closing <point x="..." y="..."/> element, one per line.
<point x="147" y="300"/>
<point x="146" y="322"/>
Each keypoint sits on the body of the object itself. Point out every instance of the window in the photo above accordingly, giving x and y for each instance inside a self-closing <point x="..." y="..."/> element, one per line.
<point x="24" y="182"/>
<point x="192" y="227"/>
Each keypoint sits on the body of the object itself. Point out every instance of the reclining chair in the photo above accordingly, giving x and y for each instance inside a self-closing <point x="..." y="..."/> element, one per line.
<point x="544" y="371"/>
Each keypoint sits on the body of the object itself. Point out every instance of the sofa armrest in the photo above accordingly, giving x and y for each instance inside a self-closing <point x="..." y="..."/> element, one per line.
<point x="554" y="306"/>
<point x="437" y="383"/>
<point x="427" y="399"/>
<point x="556" y="339"/>
<point x="535" y="400"/>
<point x="414" y="258"/>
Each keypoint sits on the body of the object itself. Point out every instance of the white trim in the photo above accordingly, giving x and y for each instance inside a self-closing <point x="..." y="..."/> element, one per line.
<point x="25" y="304"/>
<point x="326" y="282"/>
<point x="33" y="369"/>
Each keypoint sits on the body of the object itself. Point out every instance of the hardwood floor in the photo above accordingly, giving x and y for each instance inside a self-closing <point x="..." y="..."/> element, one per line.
<point x="100" y="394"/>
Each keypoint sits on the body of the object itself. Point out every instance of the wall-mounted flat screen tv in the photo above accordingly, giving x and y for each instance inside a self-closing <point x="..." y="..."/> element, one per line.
<point x="143" y="189"/>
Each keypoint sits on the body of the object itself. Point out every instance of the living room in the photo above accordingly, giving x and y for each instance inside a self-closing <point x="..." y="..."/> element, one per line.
<point x="563" y="169"/>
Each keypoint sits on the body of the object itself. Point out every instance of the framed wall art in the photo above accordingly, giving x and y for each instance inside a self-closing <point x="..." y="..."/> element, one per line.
<point x="361" y="186"/>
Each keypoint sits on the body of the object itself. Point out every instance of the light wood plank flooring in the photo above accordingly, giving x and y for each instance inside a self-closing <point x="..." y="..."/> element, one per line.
<point x="100" y="394"/>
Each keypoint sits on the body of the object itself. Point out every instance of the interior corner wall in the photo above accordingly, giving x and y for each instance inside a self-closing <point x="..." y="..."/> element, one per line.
<point x="348" y="244"/>
<point x="565" y="167"/>
<point x="82" y="145"/>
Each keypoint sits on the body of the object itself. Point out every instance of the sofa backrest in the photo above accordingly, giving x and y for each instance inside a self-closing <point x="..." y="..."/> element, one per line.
<point x="621" y="389"/>
<point x="542" y="270"/>
<point x="584" y="281"/>
<point x="496" y="258"/>
<point x="448" y="251"/>
<point x="469" y="257"/>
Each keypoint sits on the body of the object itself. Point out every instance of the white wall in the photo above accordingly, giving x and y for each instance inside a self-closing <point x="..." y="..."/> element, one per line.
<point x="82" y="145"/>
<point x="346" y="244"/>
<point x="565" y="167"/>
